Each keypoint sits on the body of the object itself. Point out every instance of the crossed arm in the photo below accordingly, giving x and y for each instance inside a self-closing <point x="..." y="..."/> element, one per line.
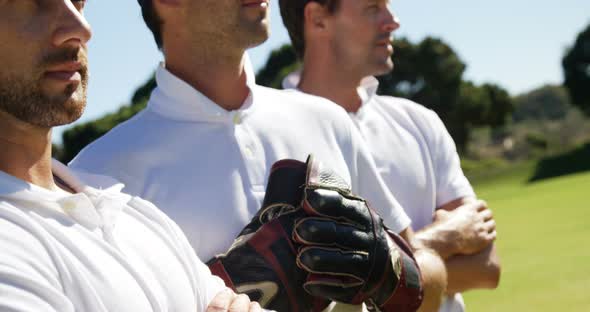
<point x="456" y="252"/>
<point x="463" y="233"/>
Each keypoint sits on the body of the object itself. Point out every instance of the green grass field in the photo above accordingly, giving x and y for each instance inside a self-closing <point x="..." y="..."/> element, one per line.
<point x="543" y="242"/>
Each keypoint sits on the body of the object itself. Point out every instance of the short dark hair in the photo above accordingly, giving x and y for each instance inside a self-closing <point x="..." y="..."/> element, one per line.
<point x="293" y="12"/>
<point x="152" y="20"/>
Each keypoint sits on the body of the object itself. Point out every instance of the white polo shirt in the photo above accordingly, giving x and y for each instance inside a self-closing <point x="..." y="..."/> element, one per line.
<point x="412" y="149"/>
<point x="207" y="168"/>
<point x="414" y="154"/>
<point x="97" y="250"/>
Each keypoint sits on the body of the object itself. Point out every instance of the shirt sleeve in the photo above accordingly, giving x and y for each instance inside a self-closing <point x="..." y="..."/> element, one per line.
<point x="22" y="292"/>
<point x="367" y="182"/>
<point x="451" y="183"/>
<point x="27" y="282"/>
<point x="206" y="285"/>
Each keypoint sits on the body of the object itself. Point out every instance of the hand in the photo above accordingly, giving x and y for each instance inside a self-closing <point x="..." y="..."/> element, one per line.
<point x="261" y="261"/>
<point x="352" y="257"/>
<point x="296" y="270"/>
<point x="471" y="225"/>
<point x="227" y="300"/>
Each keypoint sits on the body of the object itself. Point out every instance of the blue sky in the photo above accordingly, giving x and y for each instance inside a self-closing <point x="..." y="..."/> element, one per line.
<point x="515" y="43"/>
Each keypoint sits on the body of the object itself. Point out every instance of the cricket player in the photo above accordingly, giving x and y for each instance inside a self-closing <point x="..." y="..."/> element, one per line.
<point x="343" y="44"/>
<point x="204" y="146"/>
<point x="65" y="246"/>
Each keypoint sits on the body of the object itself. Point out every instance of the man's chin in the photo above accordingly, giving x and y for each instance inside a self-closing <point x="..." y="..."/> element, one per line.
<point x="383" y="69"/>
<point x="60" y="111"/>
<point x="71" y="111"/>
<point x="258" y="37"/>
<point x="41" y="105"/>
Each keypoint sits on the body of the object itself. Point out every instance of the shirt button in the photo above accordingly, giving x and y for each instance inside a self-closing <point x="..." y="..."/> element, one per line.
<point x="237" y="119"/>
<point x="249" y="153"/>
<point x="68" y="206"/>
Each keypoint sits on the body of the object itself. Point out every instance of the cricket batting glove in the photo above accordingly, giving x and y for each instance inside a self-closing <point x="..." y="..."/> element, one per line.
<point x="313" y="238"/>
<point x="262" y="260"/>
<point x="350" y="254"/>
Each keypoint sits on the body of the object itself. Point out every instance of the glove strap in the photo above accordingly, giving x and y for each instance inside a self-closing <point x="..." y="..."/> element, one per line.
<point x="217" y="268"/>
<point x="408" y="295"/>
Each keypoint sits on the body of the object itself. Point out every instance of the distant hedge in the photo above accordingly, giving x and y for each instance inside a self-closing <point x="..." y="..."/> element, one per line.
<point x="577" y="160"/>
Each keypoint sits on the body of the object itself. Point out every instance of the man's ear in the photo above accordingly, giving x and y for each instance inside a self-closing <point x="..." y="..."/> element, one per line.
<point x="316" y="18"/>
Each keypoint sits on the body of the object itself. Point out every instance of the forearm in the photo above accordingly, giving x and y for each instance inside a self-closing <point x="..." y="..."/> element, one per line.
<point x="432" y="270"/>
<point x="434" y="279"/>
<point x="477" y="271"/>
<point x="462" y="226"/>
<point x="437" y="238"/>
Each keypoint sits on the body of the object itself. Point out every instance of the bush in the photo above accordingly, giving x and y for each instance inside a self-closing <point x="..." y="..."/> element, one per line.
<point x="577" y="160"/>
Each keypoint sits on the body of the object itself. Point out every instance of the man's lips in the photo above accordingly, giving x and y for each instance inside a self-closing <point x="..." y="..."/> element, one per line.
<point x="384" y="41"/>
<point x="69" y="72"/>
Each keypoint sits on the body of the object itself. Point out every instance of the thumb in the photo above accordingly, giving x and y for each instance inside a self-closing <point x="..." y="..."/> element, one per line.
<point x="440" y="214"/>
<point x="222" y="301"/>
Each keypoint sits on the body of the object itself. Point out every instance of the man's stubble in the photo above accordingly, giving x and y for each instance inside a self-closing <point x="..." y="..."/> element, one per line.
<point x="23" y="97"/>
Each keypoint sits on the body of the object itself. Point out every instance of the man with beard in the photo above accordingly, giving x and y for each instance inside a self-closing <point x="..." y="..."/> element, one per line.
<point x="343" y="43"/>
<point x="204" y="146"/>
<point x="65" y="246"/>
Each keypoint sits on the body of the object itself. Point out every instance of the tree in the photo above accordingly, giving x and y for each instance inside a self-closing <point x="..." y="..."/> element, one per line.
<point x="501" y="105"/>
<point x="279" y="64"/>
<point x="548" y="102"/>
<point x="431" y="73"/>
<point x="576" y="68"/>
<point x="478" y="106"/>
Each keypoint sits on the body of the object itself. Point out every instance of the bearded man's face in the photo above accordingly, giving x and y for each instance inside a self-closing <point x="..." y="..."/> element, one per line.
<point x="43" y="62"/>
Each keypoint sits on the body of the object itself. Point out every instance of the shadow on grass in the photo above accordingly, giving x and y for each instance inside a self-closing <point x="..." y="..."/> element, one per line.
<point x="577" y="160"/>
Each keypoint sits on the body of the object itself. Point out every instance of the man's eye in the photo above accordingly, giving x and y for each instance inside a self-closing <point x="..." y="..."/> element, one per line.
<point x="372" y="5"/>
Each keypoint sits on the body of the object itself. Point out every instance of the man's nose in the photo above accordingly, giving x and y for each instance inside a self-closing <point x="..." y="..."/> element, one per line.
<point x="391" y="23"/>
<point x="72" y="27"/>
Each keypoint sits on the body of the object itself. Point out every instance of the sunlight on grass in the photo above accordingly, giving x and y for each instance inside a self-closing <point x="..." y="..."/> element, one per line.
<point x="543" y="241"/>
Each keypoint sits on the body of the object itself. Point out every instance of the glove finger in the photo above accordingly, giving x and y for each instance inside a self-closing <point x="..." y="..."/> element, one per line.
<point x="283" y="195"/>
<point x="327" y="232"/>
<point x="334" y="262"/>
<point x="285" y="183"/>
<point x="335" y="289"/>
<point x="331" y="204"/>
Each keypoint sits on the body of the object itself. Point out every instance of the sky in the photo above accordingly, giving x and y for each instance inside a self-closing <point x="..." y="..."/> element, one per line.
<point x="517" y="44"/>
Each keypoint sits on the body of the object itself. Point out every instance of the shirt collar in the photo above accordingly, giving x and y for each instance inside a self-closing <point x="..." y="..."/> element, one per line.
<point x="366" y="90"/>
<point x="89" y="206"/>
<point x="176" y="99"/>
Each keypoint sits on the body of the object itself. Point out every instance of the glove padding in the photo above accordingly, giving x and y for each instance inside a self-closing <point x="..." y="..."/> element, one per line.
<point x="313" y="237"/>
<point x="352" y="257"/>
<point x="262" y="260"/>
